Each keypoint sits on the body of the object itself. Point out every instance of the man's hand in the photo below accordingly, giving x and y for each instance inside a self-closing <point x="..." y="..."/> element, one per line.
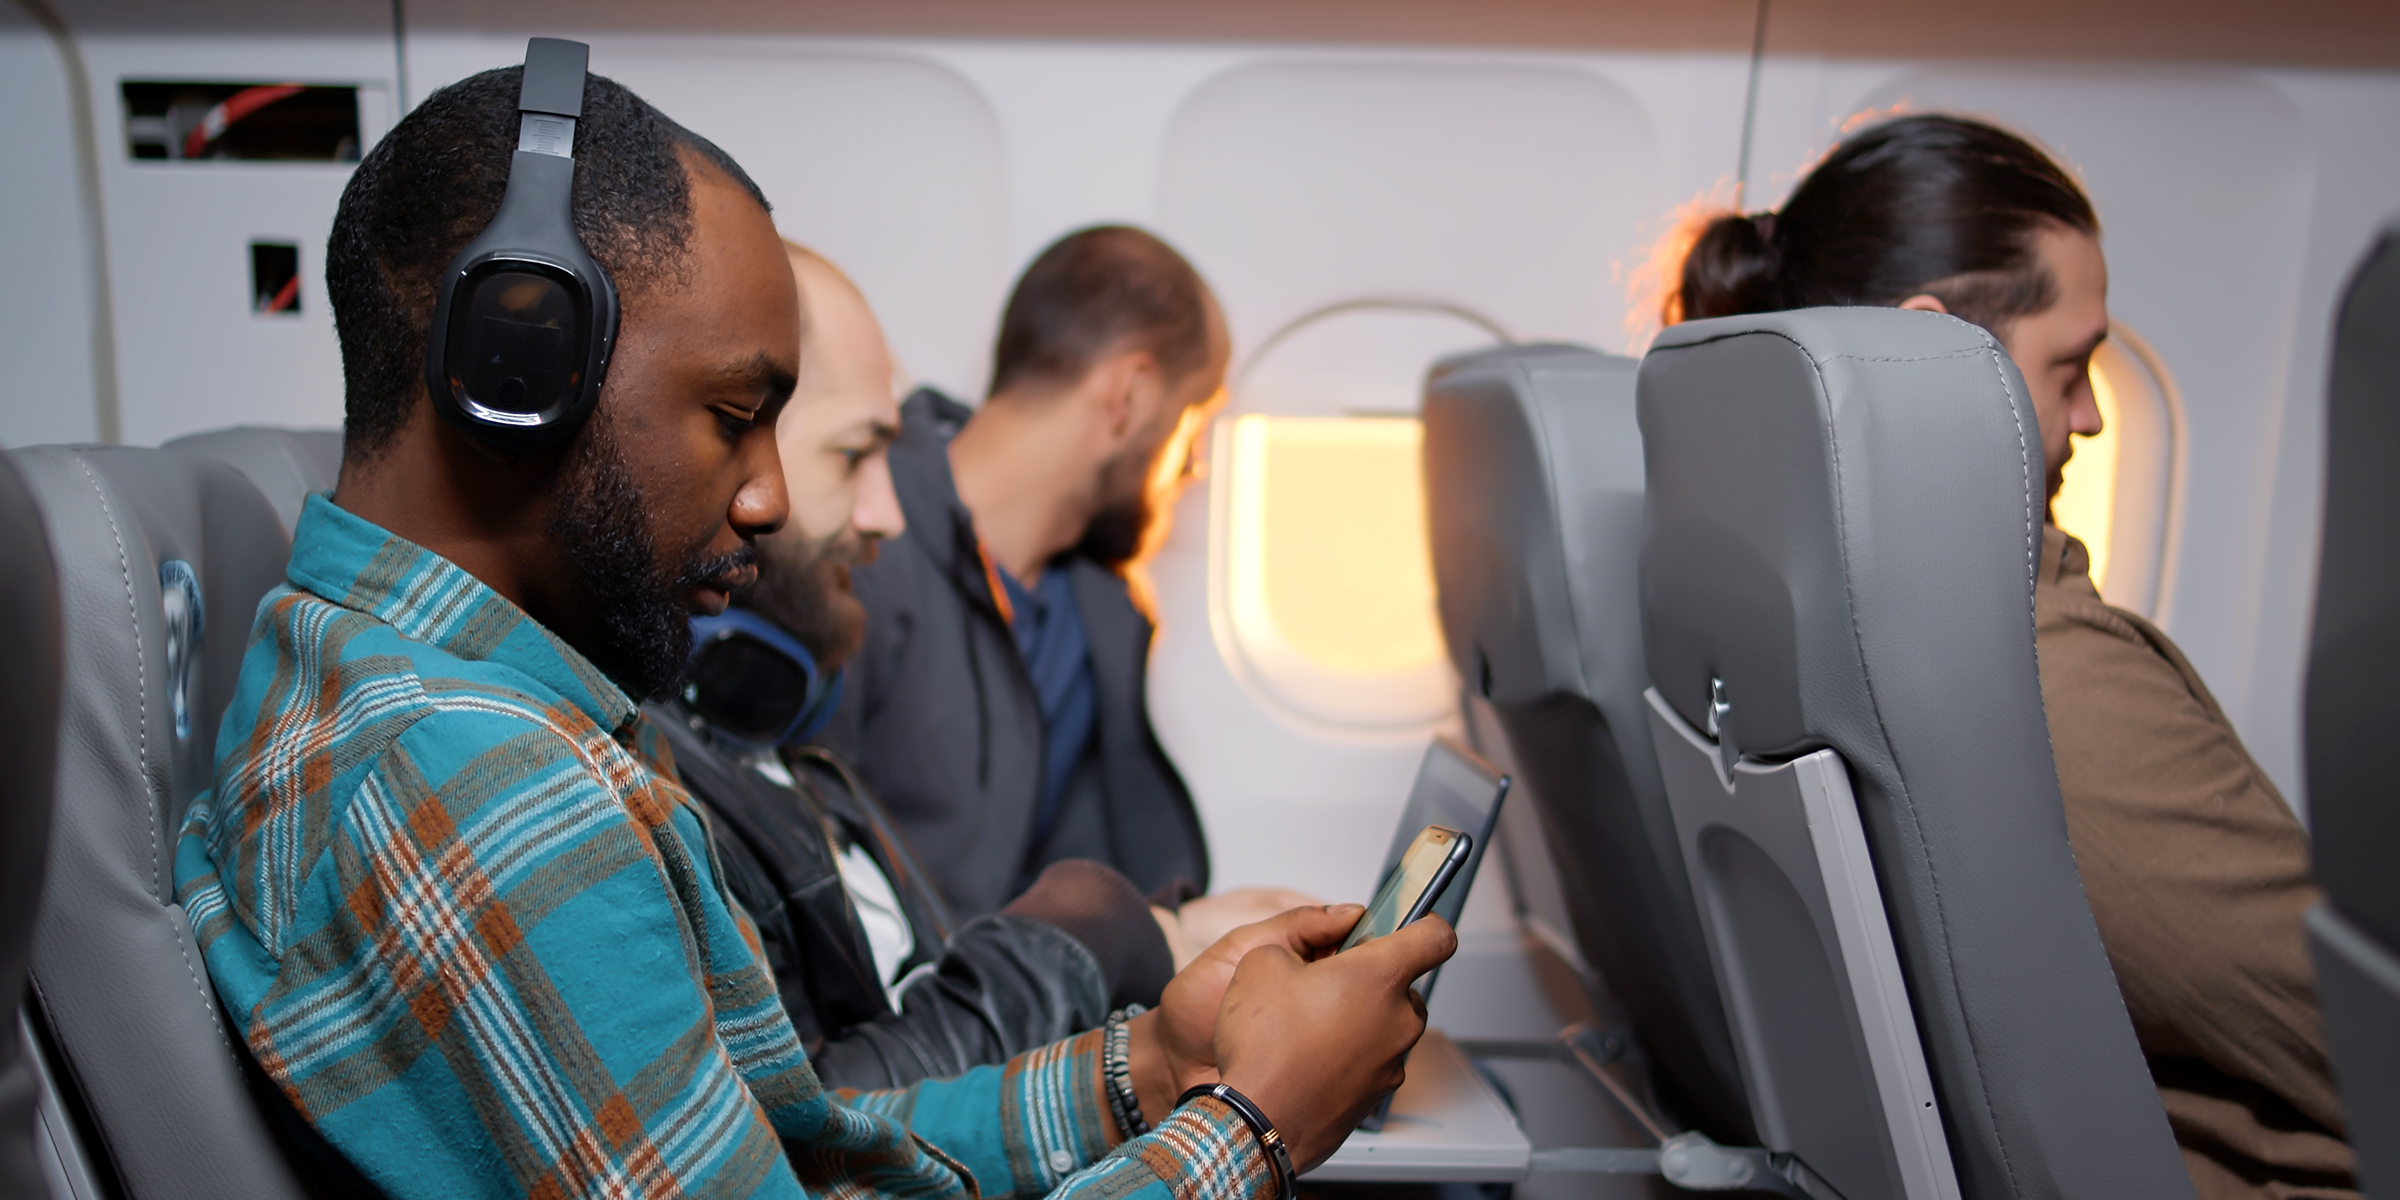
<point x="1174" y="1047"/>
<point x="1314" y="1044"/>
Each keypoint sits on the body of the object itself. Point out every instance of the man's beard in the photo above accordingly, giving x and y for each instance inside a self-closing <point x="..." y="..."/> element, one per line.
<point x="645" y="633"/>
<point x="1118" y="535"/>
<point x="805" y="588"/>
<point x="1120" y="532"/>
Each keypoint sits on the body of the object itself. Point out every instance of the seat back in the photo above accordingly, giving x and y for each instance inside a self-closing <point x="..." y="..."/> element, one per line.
<point x="1837" y="575"/>
<point x="162" y="559"/>
<point x="2352" y="709"/>
<point x="285" y="464"/>
<point x="1533" y="493"/>
<point x="29" y="746"/>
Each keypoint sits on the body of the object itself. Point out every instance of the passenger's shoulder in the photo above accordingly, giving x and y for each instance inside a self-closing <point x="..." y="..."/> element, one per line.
<point x="343" y="676"/>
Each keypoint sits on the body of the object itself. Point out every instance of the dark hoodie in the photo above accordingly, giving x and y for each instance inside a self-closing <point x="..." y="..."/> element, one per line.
<point x="940" y="719"/>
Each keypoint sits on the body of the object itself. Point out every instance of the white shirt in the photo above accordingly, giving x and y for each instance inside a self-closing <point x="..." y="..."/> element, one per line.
<point x="889" y="937"/>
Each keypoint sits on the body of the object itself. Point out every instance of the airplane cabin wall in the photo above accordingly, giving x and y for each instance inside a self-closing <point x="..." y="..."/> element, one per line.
<point x="1524" y="185"/>
<point x="46" y="305"/>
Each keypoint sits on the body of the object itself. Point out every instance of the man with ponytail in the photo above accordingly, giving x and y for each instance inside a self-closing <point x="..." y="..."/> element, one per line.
<point x="2196" y="870"/>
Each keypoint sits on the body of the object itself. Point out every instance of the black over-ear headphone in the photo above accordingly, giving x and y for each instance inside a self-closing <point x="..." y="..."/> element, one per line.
<point x="524" y="320"/>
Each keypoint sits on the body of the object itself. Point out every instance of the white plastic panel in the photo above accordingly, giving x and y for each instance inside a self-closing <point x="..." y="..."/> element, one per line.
<point x="47" y="307"/>
<point x="191" y="355"/>
<point x="890" y="165"/>
<point x="1803" y="951"/>
<point x="1292" y="184"/>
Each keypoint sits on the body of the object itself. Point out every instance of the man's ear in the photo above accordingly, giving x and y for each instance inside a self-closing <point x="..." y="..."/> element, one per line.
<point x="1925" y="302"/>
<point x="1128" y="382"/>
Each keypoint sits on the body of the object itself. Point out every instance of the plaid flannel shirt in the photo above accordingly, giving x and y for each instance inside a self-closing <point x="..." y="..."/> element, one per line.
<point x="465" y="917"/>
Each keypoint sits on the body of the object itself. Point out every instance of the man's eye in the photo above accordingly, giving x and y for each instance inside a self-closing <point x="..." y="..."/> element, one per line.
<point x="736" y="424"/>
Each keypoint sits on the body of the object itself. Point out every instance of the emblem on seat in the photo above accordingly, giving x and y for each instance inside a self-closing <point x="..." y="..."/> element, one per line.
<point x="186" y="622"/>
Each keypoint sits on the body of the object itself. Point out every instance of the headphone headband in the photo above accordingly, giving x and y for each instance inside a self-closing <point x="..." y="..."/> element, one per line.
<point x="554" y="71"/>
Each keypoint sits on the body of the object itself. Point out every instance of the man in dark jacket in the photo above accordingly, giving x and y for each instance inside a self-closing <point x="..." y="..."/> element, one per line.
<point x="998" y="705"/>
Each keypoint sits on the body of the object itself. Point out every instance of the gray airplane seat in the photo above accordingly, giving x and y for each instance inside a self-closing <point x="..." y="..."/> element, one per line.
<point x="1837" y="604"/>
<point x="1533" y="487"/>
<point x="162" y="559"/>
<point x="2351" y="711"/>
<point x="29" y="746"/>
<point x="285" y="464"/>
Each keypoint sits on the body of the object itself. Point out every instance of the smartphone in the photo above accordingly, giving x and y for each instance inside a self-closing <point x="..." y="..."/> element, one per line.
<point x="1428" y="866"/>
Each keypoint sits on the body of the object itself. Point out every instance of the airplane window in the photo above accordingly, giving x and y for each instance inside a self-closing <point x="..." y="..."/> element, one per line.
<point x="1341" y="575"/>
<point x="1321" y="575"/>
<point x="2120" y="486"/>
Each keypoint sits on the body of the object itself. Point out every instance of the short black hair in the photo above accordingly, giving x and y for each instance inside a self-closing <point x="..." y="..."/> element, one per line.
<point x="1934" y="204"/>
<point x="433" y="183"/>
<point x="1093" y="291"/>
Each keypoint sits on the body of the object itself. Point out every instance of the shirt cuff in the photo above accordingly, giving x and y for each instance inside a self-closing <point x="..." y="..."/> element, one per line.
<point x="1205" y="1151"/>
<point x="1054" y="1111"/>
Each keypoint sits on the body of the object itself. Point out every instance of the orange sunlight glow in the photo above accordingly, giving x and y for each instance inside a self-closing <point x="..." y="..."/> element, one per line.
<point x="2087" y="499"/>
<point x="1179" y="462"/>
<point x="1654" y="288"/>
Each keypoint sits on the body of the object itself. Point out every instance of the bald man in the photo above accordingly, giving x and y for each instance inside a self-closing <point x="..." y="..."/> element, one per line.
<point x="882" y="984"/>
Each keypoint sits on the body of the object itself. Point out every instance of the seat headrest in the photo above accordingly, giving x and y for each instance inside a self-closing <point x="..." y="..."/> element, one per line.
<point x="162" y="560"/>
<point x="1533" y="478"/>
<point x="284" y="464"/>
<point x="1827" y="482"/>
<point x="2354" y="650"/>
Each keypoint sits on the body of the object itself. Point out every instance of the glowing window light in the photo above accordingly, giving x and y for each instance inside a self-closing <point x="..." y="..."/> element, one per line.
<point x="2086" y="502"/>
<point x="1331" y="512"/>
<point x="1327" y="600"/>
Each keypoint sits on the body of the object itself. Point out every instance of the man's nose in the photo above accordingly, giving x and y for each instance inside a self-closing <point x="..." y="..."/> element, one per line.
<point x="877" y="512"/>
<point x="762" y="504"/>
<point x="2086" y="418"/>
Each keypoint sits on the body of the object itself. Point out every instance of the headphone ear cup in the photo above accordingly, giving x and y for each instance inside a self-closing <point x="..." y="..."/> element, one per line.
<point x="753" y="682"/>
<point x="524" y="320"/>
<point x="515" y="364"/>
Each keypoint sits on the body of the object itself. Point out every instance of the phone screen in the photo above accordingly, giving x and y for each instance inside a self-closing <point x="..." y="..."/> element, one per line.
<point x="1419" y="869"/>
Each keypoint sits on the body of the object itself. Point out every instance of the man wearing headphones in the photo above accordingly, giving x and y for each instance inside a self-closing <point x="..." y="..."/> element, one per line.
<point x="446" y="884"/>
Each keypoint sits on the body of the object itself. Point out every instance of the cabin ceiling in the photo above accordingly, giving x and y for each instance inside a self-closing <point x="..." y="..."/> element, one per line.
<point x="2333" y="33"/>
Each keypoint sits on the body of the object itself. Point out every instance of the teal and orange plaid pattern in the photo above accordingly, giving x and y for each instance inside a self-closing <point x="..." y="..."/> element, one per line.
<point x="462" y="913"/>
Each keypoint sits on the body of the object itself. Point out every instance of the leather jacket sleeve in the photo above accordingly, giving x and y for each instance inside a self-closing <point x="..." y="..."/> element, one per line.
<point x="1000" y="986"/>
<point x="1004" y="985"/>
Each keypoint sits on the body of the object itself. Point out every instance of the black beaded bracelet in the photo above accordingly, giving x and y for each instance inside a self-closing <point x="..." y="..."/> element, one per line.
<point x="1279" y="1157"/>
<point x="1117" y="1068"/>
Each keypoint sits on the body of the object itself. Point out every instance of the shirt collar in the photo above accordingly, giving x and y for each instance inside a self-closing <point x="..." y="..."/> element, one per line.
<point x="2063" y="558"/>
<point x="359" y="565"/>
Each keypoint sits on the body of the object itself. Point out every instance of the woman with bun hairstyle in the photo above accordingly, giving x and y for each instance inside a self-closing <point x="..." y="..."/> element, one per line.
<point x="2195" y="867"/>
